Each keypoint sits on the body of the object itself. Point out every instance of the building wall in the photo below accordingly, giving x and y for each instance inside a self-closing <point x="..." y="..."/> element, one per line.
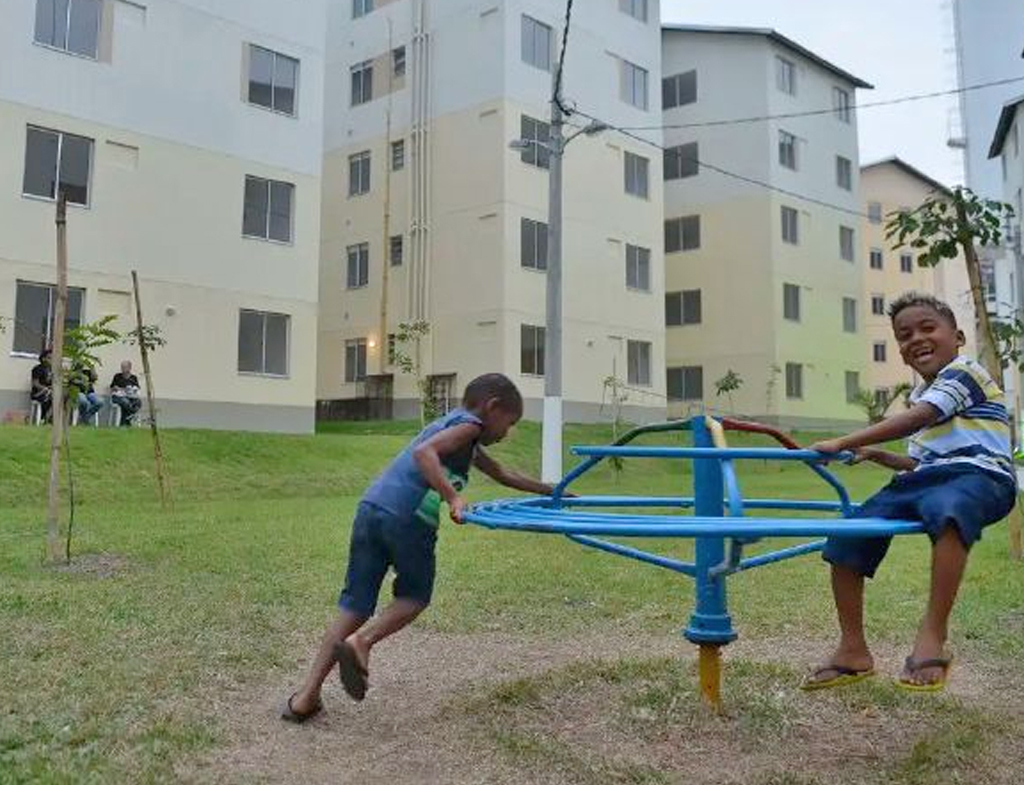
<point x="894" y="188"/>
<point x="477" y="292"/>
<point x="173" y="141"/>
<point x="743" y="263"/>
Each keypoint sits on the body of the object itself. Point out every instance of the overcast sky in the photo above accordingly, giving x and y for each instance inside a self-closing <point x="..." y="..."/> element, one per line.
<point x="899" y="46"/>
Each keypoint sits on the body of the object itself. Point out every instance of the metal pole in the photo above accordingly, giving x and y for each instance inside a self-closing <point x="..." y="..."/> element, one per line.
<point x="551" y="431"/>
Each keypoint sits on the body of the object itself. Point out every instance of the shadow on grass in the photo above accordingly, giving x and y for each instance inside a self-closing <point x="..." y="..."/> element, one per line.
<point x="642" y="722"/>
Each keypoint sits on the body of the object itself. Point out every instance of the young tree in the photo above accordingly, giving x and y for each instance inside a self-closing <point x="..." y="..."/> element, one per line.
<point x="943" y="226"/>
<point x="406" y="355"/>
<point x="727" y="385"/>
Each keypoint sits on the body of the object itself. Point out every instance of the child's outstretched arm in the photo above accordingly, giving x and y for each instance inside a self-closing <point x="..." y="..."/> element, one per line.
<point x="428" y="457"/>
<point x="510" y="479"/>
<point x="899" y="426"/>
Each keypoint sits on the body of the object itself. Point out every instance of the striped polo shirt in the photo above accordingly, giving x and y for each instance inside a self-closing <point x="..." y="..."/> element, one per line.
<point x="974" y="427"/>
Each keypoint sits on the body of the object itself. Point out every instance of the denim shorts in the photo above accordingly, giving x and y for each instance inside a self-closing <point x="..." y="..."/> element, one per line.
<point x="379" y="541"/>
<point x="962" y="496"/>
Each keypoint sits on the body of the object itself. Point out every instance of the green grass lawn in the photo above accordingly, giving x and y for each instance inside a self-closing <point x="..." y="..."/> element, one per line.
<point x="106" y="668"/>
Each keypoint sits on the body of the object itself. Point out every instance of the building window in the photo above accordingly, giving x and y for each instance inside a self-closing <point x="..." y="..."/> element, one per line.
<point x="987" y="269"/>
<point x="878" y="305"/>
<point x="794" y="380"/>
<point x="358" y="266"/>
<point x="852" y="386"/>
<point x="682" y="234"/>
<point x="878" y="351"/>
<point x="633" y="84"/>
<point x="906" y="263"/>
<point x="359" y="173"/>
<point x="531" y="350"/>
<point x="69" y="25"/>
<point x="398" y="155"/>
<point x="635" y="8"/>
<point x="846" y="243"/>
<point x="532" y="130"/>
<point x="875" y="258"/>
<point x="685" y="383"/>
<point x="785" y="75"/>
<point x="268" y="209"/>
<point x="682" y="308"/>
<point x="57" y="163"/>
<point x="398" y="62"/>
<point x="361" y="8"/>
<point x="844" y="173"/>
<point x="681" y="161"/>
<point x="875" y="212"/>
<point x="33" y="315"/>
<point x="396" y="250"/>
<point x="790" y="226"/>
<point x="637" y="175"/>
<point x="679" y="90"/>
<point x="533" y="244"/>
<point x="638" y="363"/>
<point x="841" y="103"/>
<point x="362" y="82"/>
<point x="638" y="268"/>
<point x="787" y="150"/>
<point x="791" y="302"/>
<point x="273" y="80"/>
<point x="263" y="343"/>
<point x="355" y="360"/>
<point x="849" y="315"/>
<point x="536" y="44"/>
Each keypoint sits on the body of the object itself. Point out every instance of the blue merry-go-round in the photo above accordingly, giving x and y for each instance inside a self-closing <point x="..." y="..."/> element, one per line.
<point x="719" y="523"/>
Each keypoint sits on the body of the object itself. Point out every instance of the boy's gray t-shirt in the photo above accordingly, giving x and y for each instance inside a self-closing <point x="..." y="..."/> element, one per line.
<point x="401" y="488"/>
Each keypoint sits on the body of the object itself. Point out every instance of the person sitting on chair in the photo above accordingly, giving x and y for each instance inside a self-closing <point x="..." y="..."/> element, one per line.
<point x="88" y="401"/>
<point x="42" y="385"/>
<point x="124" y="393"/>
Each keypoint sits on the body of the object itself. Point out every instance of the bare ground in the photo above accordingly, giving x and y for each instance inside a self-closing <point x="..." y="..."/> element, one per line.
<point x="412" y="729"/>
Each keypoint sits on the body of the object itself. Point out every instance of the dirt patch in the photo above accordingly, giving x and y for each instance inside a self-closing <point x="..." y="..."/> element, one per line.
<point x="489" y="708"/>
<point x="96" y="565"/>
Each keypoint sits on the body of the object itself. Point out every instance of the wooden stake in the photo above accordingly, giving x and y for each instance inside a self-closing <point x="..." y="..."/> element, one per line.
<point x="709" y="669"/>
<point x="57" y="407"/>
<point x="158" y="455"/>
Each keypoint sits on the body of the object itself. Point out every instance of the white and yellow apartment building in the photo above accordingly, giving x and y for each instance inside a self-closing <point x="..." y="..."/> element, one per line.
<point x="423" y="100"/>
<point x="763" y="268"/>
<point x="187" y="135"/>
<point x="887" y="187"/>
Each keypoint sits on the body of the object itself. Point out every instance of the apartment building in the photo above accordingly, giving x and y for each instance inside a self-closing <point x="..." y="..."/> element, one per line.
<point x="887" y="187"/>
<point x="187" y="136"/>
<point x="425" y="203"/>
<point x="764" y="273"/>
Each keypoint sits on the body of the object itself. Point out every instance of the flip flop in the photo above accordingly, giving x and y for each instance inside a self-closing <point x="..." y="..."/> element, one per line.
<point x="288" y="714"/>
<point x="843" y="677"/>
<point x="350" y="669"/>
<point x="911" y="666"/>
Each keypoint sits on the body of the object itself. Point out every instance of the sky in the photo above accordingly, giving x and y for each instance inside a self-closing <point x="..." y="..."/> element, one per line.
<point x="902" y="47"/>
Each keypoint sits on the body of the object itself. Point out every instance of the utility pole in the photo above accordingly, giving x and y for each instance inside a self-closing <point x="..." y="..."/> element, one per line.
<point x="551" y="426"/>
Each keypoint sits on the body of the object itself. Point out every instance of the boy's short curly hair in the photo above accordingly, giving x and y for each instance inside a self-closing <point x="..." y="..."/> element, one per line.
<point x="917" y="299"/>
<point x="493" y="385"/>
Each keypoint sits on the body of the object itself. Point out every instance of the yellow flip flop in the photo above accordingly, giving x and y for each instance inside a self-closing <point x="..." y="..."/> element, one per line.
<point x="911" y="665"/>
<point x="843" y="677"/>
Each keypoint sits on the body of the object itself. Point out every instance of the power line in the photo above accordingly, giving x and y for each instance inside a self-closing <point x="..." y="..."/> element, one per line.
<point x="561" y="58"/>
<point x="816" y="112"/>
<point x="726" y="172"/>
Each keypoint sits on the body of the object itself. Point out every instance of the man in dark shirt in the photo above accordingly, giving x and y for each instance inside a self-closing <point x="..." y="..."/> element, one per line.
<point x="42" y="384"/>
<point x="124" y="393"/>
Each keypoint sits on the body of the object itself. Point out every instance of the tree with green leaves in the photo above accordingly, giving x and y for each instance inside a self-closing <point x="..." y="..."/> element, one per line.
<point x="407" y="355"/>
<point x="727" y="385"/>
<point x="945" y="225"/>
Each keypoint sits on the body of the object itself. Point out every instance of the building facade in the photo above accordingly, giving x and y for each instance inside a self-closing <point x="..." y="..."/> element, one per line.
<point x="764" y="274"/>
<point x="187" y="137"/>
<point x="887" y="187"/>
<point x="424" y="202"/>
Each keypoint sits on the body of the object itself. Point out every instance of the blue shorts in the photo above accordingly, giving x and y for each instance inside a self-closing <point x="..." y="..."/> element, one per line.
<point x="964" y="497"/>
<point x="380" y="540"/>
